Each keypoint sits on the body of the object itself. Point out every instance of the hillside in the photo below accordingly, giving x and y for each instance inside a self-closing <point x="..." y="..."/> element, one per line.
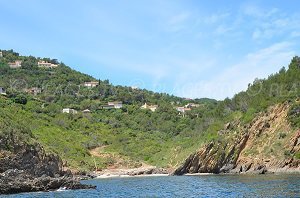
<point x="268" y="143"/>
<point x="110" y="126"/>
<point x="38" y="95"/>
<point x="265" y="137"/>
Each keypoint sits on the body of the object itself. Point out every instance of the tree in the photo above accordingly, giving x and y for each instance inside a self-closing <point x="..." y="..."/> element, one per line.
<point x="21" y="99"/>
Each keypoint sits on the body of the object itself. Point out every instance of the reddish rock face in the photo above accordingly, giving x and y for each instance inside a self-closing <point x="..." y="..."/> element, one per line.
<point x="251" y="150"/>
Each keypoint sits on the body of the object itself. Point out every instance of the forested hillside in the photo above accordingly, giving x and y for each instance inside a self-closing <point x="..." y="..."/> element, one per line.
<point x="36" y="96"/>
<point x="162" y="138"/>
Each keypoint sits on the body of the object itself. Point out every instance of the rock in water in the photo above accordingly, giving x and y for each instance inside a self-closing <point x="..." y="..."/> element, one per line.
<point x="27" y="168"/>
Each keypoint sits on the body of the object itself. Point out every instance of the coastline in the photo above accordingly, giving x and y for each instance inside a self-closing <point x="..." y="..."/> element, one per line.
<point x="143" y="171"/>
<point x="130" y="176"/>
<point x="269" y="172"/>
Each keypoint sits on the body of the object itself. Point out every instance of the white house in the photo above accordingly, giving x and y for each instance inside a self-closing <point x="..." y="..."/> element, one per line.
<point x="45" y="64"/>
<point x="113" y="105"/>
<point x="192" y="105"/>
<point x="182" y="109"/>
<point x="134" y="87"/>
<point x="1" y="55"/>
<point x="86" y="111"/>
<point x="116" y="105"/>
<point x="91" y="84"/>
<point x="153" y="108"/>
<point x="16" y="64"/>
<point x="71" y="111"/>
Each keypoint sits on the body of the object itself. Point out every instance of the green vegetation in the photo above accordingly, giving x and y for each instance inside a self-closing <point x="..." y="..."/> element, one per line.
<point x="282" y="135"/>
<point x="162" y="138"/>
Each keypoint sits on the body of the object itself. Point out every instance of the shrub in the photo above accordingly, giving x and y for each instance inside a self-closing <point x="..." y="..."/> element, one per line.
<point x="282" y="135"/>
<point x="287" y="153"/>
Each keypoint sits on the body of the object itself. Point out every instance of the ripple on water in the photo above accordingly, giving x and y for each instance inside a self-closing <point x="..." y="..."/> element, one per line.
<point x="185" y="186"/>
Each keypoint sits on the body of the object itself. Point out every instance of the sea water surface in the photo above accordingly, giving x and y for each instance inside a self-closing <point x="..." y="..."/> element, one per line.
<point x="186" y="186"/>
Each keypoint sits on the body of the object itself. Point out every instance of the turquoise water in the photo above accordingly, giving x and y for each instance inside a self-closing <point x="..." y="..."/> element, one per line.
<point x="186" y="186"/>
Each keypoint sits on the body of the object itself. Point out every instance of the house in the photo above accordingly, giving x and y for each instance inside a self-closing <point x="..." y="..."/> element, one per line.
<point x="113" y="105"/>
<point x="71" y="111"/>
<point x="86" y="111"/>
<point x="1" y="55"/>
<point x="192" y="105"/>
<point x="45" y="64"/>
<point x="16" y="64"/>
<point x="183" y="109"/>
<point x="153" y="108"/>
<point x="134" y="87"/>
<point x="117" y="104"/>
<point x="34" y="91"/>
<point x="2" y="91"/>
<point x="91" y="84"/>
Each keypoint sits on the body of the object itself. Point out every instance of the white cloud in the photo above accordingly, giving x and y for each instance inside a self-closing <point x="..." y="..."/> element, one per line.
<point x="235" y="78"/>
<point x="269" y="24"/>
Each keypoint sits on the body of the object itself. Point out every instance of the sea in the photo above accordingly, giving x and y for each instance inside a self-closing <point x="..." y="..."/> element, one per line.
<point x="270" y="185"/>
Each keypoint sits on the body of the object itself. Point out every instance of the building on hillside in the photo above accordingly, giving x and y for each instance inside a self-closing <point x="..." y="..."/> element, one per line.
<point x="34" y="91"/>
<point x="70" y="111"/>
<point x="91" y="84"/>
<point x="153" y="108"/>
<point x="2" y="91"/>
<point x="192" y="105"/>
<point x="45" y="64"/>
<point x="86" y="111"/>
<point x="16" y="64"/>
<point x="134" y="87"/>
<point x="183" y="109"/>
<point x="116" y="105"/>
<point x="1" y="55"/>
<point x="113" y="105"/>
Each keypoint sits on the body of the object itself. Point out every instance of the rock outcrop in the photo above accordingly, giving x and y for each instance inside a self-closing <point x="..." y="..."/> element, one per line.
<point x="267" y="144"/>
<point x="26" y="168"/>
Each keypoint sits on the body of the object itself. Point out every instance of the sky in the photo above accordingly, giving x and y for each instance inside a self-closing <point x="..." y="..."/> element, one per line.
<point x="188" y="48"/>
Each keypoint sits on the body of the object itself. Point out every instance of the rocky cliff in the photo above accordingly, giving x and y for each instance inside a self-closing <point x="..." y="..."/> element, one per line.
<point x="25" y="167"/>
<point x="268" y="143"/>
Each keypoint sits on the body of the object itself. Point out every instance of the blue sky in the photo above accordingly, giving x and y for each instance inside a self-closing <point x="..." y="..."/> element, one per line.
<point x="186" y="48"/>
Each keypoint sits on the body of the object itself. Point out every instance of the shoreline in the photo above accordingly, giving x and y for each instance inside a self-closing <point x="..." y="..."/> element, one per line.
<point x="111" y="174"/>
<point x="143" y="171"/>
<point x="269" y="172"/>
<point x="129" y="176"/>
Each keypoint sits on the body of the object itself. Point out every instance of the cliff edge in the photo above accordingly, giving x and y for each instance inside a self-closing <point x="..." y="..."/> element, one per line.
<point x="267" y="144"/>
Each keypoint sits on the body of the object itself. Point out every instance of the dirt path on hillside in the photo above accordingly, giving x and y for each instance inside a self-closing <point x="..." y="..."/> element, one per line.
<point x="99" y="152"/>
<point x="118" y="168"/>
